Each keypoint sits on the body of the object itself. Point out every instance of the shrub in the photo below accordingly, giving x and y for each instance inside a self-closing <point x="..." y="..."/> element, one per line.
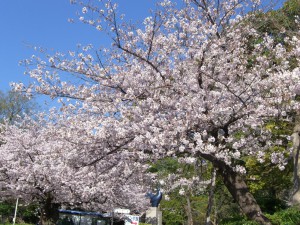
<point x="290" y="216"/>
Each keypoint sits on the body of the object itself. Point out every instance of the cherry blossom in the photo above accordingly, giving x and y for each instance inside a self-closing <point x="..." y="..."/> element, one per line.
<point x="41" y="162"/>
<point x="188" y="82"/>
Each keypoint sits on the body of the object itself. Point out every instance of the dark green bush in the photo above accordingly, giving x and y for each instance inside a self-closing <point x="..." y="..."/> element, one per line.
<point x="26" y="213"/>
<point x="290" y="216"/>
<point x="238" y="220"/>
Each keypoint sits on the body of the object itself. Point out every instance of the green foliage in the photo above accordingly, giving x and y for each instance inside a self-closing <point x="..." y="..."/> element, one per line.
<point x="268" y="183"/>
<point x="224" y="206"/>
<point x="29" y="213"/>
<point x="26" y="213"/>
<point x="291" y="9"/>
<point x="280" y="127"/>
<point x="199" y="206"/>
<point x="279" y="23"/>
<point x="290" y="216"/>
<point x="174" y="210"/>
<point x="165" y="166"/>
<point x="238" y="220"/>
<point x="6" y="209"/>
<point x="264" y="175"/>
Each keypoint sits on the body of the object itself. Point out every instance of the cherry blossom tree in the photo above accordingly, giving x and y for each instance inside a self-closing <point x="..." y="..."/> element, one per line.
<point x="189" y="82"/>
<point x="40" y="164"/>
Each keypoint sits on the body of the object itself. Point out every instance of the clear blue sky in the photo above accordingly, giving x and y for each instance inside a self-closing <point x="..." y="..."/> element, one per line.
<point x="45" y="23"/>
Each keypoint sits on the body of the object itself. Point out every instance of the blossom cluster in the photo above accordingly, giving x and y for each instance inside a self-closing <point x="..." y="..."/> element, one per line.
<point x="189" y="84"/>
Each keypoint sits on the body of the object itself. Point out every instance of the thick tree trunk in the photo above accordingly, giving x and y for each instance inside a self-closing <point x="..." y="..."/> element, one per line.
<point x="240" y="192"/>
<point x="49" y="211"/>
<point x="295" y="198"/>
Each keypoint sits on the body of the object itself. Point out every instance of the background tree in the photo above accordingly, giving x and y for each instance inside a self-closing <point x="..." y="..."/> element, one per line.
<point x="40" y="165"/>
<point x="14" y="104"/>
<point x="184" y="183"/>
<point x="13" y="107"/>
<point x="282" y="24"/>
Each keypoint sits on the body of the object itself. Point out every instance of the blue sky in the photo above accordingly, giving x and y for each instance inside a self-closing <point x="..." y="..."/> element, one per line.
<point x="44" y="23"/>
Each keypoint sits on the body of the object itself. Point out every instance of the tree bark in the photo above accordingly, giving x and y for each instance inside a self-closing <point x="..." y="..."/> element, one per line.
<point x="240" y="192"/>
<point x="295" y="198"/>
<point x="49" y="211"/>
<point x="238" y="189"/>
<point x="211" y="196"/>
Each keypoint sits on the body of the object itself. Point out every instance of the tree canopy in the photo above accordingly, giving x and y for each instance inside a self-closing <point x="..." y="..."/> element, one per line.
<point x="189" y="83"/>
